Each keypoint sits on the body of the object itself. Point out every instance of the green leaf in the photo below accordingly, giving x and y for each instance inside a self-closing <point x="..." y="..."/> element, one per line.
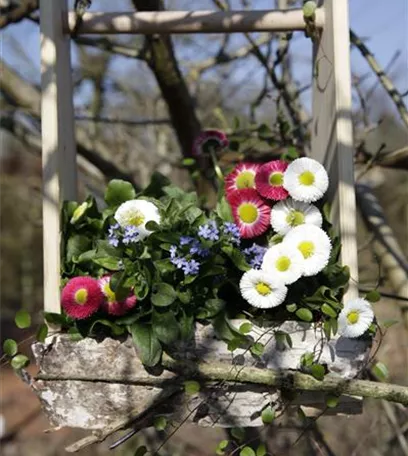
<point x="264" y="132"/>
<point x="318" y="371"/>
<point x="186" y="323"/>
<point x="224" y="210"/>
<point x="166" y="327"/>
<point x="304" y="314"/>
<point x="118" y="191"/>
<point x="19" y="362"/>
<point x="238" y="433"/>
<point x="55" y="319"/>
<point x="141" y="451"/>
<point x="163" y="294"/>
<point x="75" y="335"/>
<point x="164" y="266"/>
<point x="42" y="333"/>
<point x="247" y="451"/>
<point x="373" y="296"/>
<point x="257" y="349"/>
<point x="188" y="162"/>
<point x="22" y="319"/>
<point x="160" y="423"/>
<point x="380" y="371"/>
<point x="237" y="257"/>
<point x="388" y="323"/>
<point x="147" y="344"/>
<point x="327" y="211"/>
<point x="109" y="263"/>
<point x="76" y="245"/>
<point x="152" y="226"/>
<point x="307" y="359"/>
<point x="309" y="9"/>
<point x="220" y="450"/>
<point x="10" y="347"/>
<point x="116" y="330"/>
<point x="191" y="387"/>
<point x="245" y="328"/>
<point x="261" y="450"/>
<point x="326" y="309"/>
<point x="291" y="307"/>
<point x="332" y="401"/>
<point x="268" y="415"/>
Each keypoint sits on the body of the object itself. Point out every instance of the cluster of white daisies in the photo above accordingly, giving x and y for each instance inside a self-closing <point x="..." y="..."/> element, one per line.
<point x="280" y="195"/>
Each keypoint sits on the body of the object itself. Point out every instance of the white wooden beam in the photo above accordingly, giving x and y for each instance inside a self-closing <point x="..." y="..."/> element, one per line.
<point x="164" y="22"/>
<point x="332" y="129"/>
<point x="58" y="140"/>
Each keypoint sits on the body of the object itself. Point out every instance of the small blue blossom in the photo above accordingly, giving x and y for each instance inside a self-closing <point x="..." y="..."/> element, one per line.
<point x="131" y="234"/>
<point x="191" y="267"/>
<point x="197" y="249"/>
<point x="185" y="240"/>
<point x="113" y="235"/>
<point x="173" y="252"/>
<point x="232" y="230"/>
<point x="209" y="231"/>
<point x="254" y="255"/>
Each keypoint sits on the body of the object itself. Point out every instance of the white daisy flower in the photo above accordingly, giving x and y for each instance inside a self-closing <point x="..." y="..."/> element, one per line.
<point x="258" y="288"/>
<point x="355" y="318"/>
<point x="137" y="213"/>
<point x="314" y="245"/>
<point x="289" y="213"/>
<point x="283" y="262"/>
<point x="306" y="180"/>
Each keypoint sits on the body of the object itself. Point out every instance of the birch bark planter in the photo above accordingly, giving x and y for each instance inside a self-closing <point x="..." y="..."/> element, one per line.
<point x="93" y="385"/>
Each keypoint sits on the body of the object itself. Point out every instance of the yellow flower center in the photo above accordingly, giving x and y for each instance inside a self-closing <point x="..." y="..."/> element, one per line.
<point x="245" y="180"/>
<point x="306" y="248"/>
<point x="263" y="288"/>
<point x="248" y="212"/>
<point x="81" y="296"/>
<point x="295" y="218"/>
<point x="283" y="263"/>
<point x="136" y="219"/>
<point x="307" y="178"/>
<point x="276" y="179"/>
<point x="110" y="295"/>
<point x="353" y="317"/>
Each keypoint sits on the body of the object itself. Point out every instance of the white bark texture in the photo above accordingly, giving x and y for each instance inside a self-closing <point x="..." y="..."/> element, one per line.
<point x="93" y="384"/>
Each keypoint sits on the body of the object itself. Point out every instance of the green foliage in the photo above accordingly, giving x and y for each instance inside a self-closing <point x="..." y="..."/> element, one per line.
<point x="119" y="191"/>
<point x="268" y="415"/>
<point x="261" y="450"/>
<point x="147" y="344"/>
<point x="22" y="319"/>
<point x="19" y="362"/>
<point x="380" y="371"/>
<point x="191" y="387"/>
<point x="10" y="347"/>
<point x="332" y="401"/>
<point x="247" y="451"/>
<point x="140" y="451"/>
<point x="373" y="296"/>
<point x="304" y="314"/>
<point x="160" y="423"/>
<point x="220" y="450"/>
<point x="42" y="333"/>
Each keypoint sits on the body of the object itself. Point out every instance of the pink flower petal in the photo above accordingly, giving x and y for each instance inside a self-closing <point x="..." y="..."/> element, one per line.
<point x="69" y="297"/>
<point x="269" y="180"/>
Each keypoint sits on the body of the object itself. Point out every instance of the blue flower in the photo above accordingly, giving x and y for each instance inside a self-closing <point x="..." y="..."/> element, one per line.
<point x="173" y="251"/>
<point x="209" y="231"/>
<point x="185" y="240"/>
<point x="197" y="249"/>
<point x="191" y="267"/>
<point x="131" y="234"/>
<point x="232" y="230"/>
<point x="113" y="241"/>
<point x="254" y="255"/>
<point x="113" y="235"/>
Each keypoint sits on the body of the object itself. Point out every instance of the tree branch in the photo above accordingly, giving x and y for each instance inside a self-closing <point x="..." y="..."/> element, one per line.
<point x="16" y="13"/>
<point x="382" y="76"/>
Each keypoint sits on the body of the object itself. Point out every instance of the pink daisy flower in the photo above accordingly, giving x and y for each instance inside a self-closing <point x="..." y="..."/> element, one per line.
<point x="269" y="180"/>
<point x="209" y="140"/>
<point x="250" y="212"/>
<point x="81" y="297"/>
<point x="110" y="304"/>
<point x="242" y="177"/>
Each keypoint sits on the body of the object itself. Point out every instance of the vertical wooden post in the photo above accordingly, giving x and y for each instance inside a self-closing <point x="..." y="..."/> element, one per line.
<point x="332" y="129"/>
<point x="58" y="140"/>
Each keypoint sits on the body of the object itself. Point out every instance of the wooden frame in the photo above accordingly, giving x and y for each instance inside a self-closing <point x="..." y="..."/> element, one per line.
<point x="332" y="141"/>
<point x="193" y="22"/>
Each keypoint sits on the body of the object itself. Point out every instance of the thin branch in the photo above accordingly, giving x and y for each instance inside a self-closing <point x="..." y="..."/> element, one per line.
<point x="16" y="13"/>
<point x="382" y="76"/>
<point x="108" y="45"/>
<point x="134" y="123"/>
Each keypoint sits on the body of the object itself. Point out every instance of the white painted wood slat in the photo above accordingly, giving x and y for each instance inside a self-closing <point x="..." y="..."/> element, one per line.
<point x="332" y="129"/>
<point x="58" y="140"/>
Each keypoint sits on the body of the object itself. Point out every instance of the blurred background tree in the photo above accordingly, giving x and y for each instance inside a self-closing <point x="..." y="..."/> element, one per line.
<point x="139" y="104"/>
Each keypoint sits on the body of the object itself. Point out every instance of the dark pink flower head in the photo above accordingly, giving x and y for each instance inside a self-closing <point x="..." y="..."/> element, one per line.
<point x="209" y="140"/>
<point x="81" y="297"/>
<point x="251" y="213"/>
<point x="269" y="180"/>
<point x="242" y="177"/>
<point x="110" y="304"/>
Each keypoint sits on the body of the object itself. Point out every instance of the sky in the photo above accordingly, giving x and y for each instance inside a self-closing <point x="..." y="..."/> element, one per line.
<point x="384" y="24"/>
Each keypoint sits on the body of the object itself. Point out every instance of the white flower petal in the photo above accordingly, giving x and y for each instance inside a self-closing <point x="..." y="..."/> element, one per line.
<point x="318" y="246"/>
<point x="283" y="262"/>
<point x="137" y="213"/>
<point x="289" y="213"/>
<point x="269" y="293"/>
<point x="365" y="316"/>
<point x="300" y="191"/>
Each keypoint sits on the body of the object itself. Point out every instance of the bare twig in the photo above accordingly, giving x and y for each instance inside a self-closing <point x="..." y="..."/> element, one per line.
<point x="382" y="76"/>
<point x="395" y="425"/>
<point x="16" y="13"/>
